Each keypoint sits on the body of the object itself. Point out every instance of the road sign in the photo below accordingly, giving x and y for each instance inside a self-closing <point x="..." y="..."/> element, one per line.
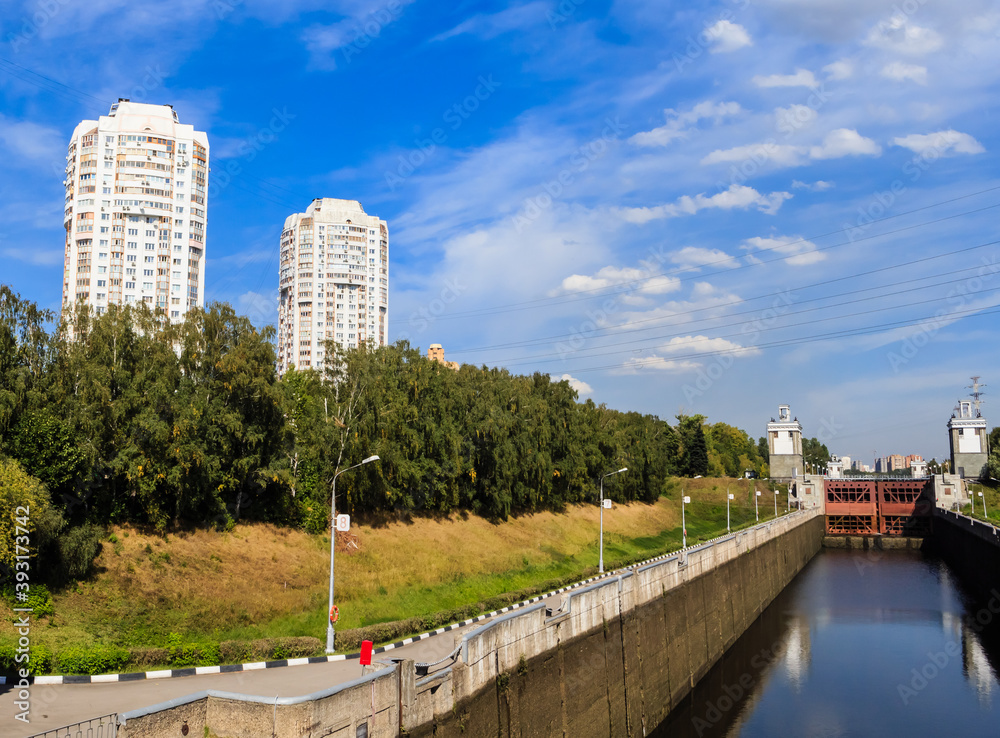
<point x="687" y="500"/>
<point x="732" y="497"/>
<point x="607" y="504"/>
<point x="343" y="523"/>
<point x="758" y="493"/>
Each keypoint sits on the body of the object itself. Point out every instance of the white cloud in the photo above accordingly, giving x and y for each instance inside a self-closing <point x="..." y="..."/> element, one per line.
<point x="817" y="186"/>
<point x="844" y="142"/>
<point x="785" y="155"/>
<point x="610" y="276"/>
<point x="581" y="387"/>
<point x="801" y="78"/>
<point x="352" y="35"/>
<point x="899" y="72"/>
<point x="686" y="352"/>
<point x="36" y="257"/>
<point x="678" y="121"/>
<point x="899" y="35"/>
<point x="488" y="26"/>
<point x="940" y="143"/>
<point x="727" y="36"/>
<point x="738" y="197"/>
<point x="794" y="117"/>
<point x="693" y="257"/>
<point x="799" y="251"/>
<point x="838" y="70"/>
<point x="27" y="140"/>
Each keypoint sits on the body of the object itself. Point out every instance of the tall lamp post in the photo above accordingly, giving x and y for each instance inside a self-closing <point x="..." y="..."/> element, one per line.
<point x="756" y="508"/>
<point x="985" y="514"/>
<point x="775" y="503"/>
<point x="729" y="497"/>
<point x="609" y="474"/>
<point x="333" y="540"/>
<point x="684" y="531"/>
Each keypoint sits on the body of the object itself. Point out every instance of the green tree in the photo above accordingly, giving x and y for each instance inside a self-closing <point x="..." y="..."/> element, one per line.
<point x="25" y="509"/>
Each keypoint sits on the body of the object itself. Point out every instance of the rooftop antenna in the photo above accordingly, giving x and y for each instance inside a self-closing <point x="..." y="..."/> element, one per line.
<point x="976" y="394"/>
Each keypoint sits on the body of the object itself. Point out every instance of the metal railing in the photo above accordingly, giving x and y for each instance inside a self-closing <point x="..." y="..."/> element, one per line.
<point x="99" y="727"/>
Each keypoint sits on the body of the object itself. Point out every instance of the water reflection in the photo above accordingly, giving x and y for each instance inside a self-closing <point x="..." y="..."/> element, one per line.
<point x="861" y="643"/>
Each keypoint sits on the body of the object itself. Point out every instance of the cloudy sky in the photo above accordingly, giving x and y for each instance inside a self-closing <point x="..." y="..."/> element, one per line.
<point x="709" y="210"/>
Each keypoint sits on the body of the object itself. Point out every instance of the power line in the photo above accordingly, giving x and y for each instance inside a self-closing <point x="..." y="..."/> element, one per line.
<point x="789" y="342"/>
<point x="620" y="329"/>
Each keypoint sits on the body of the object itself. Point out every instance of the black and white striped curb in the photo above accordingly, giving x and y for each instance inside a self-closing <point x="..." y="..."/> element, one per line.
<point x="254" y="666"/>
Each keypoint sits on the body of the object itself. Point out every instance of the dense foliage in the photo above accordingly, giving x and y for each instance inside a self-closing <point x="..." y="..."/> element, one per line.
<point x="125" y="417"/>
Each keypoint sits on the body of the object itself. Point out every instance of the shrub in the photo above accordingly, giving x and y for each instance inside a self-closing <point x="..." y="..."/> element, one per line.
<point x="268" y="649"/>
<point x="78" y="548"/>
<point x="97" y="659"/>
<point x="39" y="659"/>
<point x="39" y="599"/>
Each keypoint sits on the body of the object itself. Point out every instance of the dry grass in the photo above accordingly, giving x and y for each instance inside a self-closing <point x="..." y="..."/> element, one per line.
<point x="261" y="581"/>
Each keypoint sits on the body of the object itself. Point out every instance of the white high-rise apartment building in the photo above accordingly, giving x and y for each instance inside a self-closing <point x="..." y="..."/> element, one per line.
<point x="333" y="282"/>
<point x="136" y="185"/>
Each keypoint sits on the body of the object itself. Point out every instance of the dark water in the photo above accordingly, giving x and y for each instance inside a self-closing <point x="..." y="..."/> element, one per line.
<point x="860" y="644"/>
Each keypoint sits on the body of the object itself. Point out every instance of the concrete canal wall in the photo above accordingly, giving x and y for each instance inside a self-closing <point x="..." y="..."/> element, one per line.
<point x="971" y="548"/>
<point x="609" y="659"/>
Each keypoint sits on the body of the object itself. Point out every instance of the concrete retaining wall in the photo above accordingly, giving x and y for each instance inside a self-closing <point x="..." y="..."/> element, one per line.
<point x="617" y="656"/>
<point x="971" y="548"/>
<point x="609" y="659"/>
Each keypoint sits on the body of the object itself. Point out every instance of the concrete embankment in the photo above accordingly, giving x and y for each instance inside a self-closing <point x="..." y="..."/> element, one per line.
<point x="610" y="659"/>
<point x="970" y="547"/>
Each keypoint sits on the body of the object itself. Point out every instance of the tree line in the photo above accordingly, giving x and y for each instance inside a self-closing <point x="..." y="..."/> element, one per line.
<point x="125" y="417"/>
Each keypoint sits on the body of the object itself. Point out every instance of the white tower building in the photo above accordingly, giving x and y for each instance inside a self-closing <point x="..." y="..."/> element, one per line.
<point x="135" y="218"/>
<point x="784" y="442"/>
<point x="333" y="282"/>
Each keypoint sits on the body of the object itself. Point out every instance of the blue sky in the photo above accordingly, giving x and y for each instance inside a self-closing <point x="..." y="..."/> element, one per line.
<point x="711" y="209"/>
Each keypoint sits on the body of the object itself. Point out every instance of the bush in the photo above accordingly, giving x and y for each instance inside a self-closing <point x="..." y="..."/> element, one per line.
<point x="141" y="658"/>
<point x="39" y="599"/>
<point x="78" y="548"/>
<point x="97" y="659"/>
<point x="268" y="649"/>
<point x="39" y="660"/>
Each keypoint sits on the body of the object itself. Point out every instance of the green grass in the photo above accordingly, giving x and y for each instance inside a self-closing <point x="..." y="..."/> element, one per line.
<point x="259" y="581"/>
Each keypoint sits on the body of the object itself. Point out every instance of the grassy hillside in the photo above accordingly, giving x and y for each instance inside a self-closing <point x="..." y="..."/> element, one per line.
<point x="261" y="581"/>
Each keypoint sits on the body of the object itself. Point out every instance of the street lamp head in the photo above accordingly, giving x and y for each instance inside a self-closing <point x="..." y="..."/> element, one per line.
<point x="624" y="468"/>
<point x="370" y="459"/>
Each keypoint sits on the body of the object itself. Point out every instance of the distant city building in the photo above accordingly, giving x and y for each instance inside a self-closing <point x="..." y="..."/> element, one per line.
<point x="333" y="282"/>
<point x="846" y="462"/>
<point x="135" y="216"/>
<point x="897" y="462"/>
<point x="436" y="353"/>
<point x="881" y="465"/>
<point x="784" y="444"/>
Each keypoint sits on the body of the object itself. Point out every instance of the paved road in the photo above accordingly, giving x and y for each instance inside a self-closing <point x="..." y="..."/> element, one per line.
<point x="53" y="706"/>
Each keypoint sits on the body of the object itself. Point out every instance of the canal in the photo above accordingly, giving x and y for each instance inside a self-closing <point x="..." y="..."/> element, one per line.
<point x="861" y="643"/>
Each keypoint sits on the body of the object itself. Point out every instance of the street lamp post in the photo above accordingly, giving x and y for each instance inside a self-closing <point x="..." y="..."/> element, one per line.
<point x="600" y="566"/>
<point x="333" y="540"/>
<point x="729" y="497"/>
<point x="756" y="507"/>
<point x="684" y="530"/>
<point x="775" y="503"/>
<point x="985" y="514"/>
